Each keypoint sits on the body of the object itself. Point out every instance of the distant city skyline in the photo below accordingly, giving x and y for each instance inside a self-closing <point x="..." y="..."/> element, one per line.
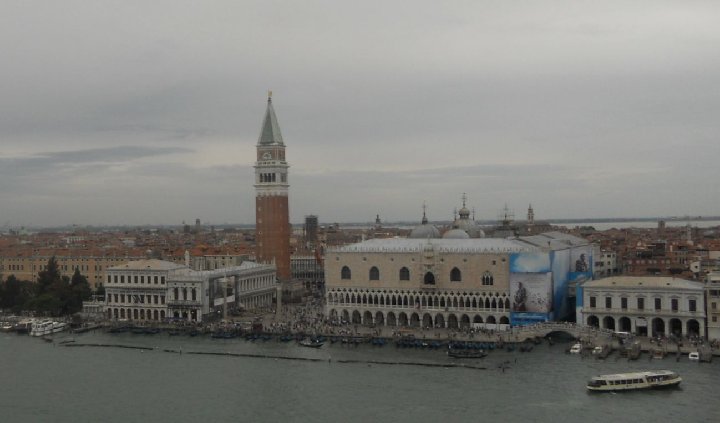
<point x="149" y="113"/>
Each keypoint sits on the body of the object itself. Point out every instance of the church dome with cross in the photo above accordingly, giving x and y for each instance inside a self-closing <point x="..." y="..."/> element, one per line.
<point x="424" y="230"/>
<point x="465" y="224"/>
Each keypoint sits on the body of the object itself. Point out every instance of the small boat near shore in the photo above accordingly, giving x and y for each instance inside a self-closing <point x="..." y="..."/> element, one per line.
<point x="467" y="353"/>
<point x="311" y="343"/>
<point x="634" y="381"/>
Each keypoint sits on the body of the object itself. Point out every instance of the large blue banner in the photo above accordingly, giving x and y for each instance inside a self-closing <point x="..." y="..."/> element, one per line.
<point x="560" y="268"/>
<point x="529" y="263"/>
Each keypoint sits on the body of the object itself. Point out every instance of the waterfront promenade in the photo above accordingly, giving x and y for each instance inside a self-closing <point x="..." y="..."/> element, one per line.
<point x="307" y="320"/>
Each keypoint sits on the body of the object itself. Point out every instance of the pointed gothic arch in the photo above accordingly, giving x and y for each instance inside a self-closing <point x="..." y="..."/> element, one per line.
<point x="345" y="273"/>
<point x="455" y="275"/>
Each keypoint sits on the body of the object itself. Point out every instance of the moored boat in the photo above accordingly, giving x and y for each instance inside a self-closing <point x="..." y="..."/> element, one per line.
<point x="23" y="327"/>
<point x="575" y="349"/>
<point x="312" y="343"/>
<point x="467" y="353"/>
<point x="47" y="327"/>
<point x="634" y="381"/>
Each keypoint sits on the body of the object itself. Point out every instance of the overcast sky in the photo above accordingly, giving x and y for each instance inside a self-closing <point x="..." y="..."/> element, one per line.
<point x="148" y="112"/>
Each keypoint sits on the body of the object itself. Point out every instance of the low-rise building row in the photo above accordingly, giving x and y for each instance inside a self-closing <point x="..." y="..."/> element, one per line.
<point x="156" y="290"/>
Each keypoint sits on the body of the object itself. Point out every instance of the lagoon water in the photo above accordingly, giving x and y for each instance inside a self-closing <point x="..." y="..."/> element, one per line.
<point x="642" y="224"/>
<point x="49" y="382"/>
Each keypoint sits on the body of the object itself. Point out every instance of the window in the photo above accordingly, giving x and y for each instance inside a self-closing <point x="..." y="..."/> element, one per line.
<point x="674" y="304"/>
<point x="641" y="303"/>
<point x="455" y="275"/>
<point x="608" y="302"/>
<point x="714" y="318"/>
<point x="345" y="273"/>
<point x="404" y="274"/>
<point x="592" y="302"/>
<point x="658" y="303"/>
<point x="374" y="274"/>
<point x="623" y="303"/>
<point x="713" y="306"/>
<point x="487" y="278"/>
<point x="692" y="305"/>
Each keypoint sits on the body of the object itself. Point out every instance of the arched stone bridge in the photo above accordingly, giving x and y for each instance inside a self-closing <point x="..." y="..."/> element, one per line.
<point x="541" y="330"/>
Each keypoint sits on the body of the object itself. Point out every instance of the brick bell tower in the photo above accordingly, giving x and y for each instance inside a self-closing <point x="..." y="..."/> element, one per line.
<point x="272" y="219"/>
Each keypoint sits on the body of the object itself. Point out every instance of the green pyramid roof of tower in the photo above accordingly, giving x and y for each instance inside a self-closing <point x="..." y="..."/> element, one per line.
<point x="270" y="129"/>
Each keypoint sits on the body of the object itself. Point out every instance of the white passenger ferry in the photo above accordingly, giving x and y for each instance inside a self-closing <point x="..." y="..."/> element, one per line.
<point x="47" y="327"/>
<point x="634" y="381"/>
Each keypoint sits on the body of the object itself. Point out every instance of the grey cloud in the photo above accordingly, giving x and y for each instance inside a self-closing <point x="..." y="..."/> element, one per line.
<point x="593" y="109"/>
<point x="92" y="155"/>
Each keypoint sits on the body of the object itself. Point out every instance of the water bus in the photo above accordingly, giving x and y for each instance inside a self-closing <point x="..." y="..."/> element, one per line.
<point x="47" y="327"/>
<point x="634" y="381"/>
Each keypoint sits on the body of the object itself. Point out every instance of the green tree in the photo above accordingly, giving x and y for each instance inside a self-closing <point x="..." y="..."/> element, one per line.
<point x="48" y="277"/>
<point x="53" y="291"/>
<point x="56" y="294"/>
<point x="14" y="293"/>
<point x="79" y="291"/>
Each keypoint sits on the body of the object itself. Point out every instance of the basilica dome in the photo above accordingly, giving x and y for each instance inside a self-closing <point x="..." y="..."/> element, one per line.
<point x="425" y="229"/>
<point x="456" y="234"/>
<point x="467" y="225"/>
